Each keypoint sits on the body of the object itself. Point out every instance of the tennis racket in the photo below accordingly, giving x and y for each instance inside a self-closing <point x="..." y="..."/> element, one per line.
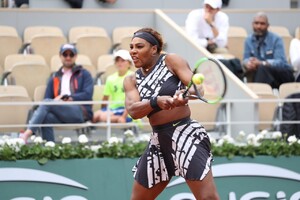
<point x="214" y="82"/>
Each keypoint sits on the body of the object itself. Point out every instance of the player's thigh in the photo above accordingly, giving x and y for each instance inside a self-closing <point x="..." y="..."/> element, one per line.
<point x="139" y="192"/>
<point x="205" y="189"/>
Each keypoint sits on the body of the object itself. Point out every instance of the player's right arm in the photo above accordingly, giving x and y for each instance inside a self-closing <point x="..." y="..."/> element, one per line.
<point x="136" y="108"/>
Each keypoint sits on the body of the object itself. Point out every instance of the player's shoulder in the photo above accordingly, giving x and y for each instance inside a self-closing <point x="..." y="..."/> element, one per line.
<point x="130" y="76"/>
<point x="173" y="56"/>
<point x="173" y="59"/>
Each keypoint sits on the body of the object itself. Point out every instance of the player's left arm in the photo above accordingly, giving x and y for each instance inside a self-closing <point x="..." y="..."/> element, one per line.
<point x="181" y="68"/>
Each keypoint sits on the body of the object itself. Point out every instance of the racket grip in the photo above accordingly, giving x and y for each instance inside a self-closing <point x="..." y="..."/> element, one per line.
<point x="185" y="93"/>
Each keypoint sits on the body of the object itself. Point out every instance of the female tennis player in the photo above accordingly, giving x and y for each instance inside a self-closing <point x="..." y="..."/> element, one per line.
<point x="179" y="146"/>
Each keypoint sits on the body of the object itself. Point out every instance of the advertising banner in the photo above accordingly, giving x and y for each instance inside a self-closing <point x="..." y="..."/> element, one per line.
<point x="240" y="178"/>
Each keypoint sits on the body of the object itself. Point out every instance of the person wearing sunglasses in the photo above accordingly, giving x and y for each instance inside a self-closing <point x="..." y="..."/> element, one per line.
<point x="70" y="83"/>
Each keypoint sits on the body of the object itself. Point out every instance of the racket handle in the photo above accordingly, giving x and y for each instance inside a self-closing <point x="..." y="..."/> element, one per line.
<point x="184" y="94"/>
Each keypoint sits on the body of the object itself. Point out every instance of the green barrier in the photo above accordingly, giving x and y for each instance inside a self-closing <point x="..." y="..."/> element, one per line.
<point x="240" y="178"/>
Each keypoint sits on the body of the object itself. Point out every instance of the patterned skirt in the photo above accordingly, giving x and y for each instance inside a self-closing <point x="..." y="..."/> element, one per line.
<point x="178" y="148"/>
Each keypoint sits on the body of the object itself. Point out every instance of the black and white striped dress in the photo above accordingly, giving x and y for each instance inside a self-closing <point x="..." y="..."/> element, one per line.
<point x="178" y="148"/>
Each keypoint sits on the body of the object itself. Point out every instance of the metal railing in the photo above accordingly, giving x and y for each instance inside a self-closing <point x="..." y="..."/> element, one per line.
<point x="228" y="122"/>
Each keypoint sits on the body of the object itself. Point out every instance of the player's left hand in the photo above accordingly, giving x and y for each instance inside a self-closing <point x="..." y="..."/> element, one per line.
<point x="178" y="99"/>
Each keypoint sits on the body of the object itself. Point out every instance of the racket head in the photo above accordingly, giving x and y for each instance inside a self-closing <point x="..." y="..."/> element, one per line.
<point x="214" y="80"/>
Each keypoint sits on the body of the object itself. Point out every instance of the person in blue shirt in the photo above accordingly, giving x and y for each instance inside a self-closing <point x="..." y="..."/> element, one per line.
<point x="70" y="83"/>
<point x="264" y="57"/>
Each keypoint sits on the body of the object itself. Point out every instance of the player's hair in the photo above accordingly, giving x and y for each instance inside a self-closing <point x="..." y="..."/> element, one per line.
<point x="156" y="35"/>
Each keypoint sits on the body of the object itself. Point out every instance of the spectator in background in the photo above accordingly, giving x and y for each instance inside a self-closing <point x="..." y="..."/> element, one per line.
<point x="209" y="26"/>
<point x="79" y="3"/>
<point x="22" y="3"/>
<point x="108" y="1"/>
<point x="75" y="3"/>
<point x="114" y="91"/>
<point x="295" y="57"/>
<point x="264" y="56"/>
<point x="70" y="83"/>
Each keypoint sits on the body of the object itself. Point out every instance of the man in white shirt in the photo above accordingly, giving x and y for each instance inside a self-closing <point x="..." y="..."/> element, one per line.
<point x="209" y="26"/>
<point x="295" y="57"/>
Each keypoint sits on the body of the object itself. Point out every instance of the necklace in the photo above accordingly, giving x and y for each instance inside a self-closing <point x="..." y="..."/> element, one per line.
<point x="146" y="70"/>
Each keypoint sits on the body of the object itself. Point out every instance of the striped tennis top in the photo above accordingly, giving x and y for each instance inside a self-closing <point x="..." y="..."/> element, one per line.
<point x="160" y="81"/>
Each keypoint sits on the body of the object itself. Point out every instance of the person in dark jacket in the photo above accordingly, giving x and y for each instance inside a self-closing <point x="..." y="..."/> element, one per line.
<point x="70" y="83"/>
<point x="291" y="112"/>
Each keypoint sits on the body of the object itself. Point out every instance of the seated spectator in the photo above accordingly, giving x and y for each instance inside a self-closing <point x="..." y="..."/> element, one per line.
<point x="295" y="57"/>
<point x="75" y="3"/>
<point x="22" y="3"/>
<point x="79" y="3"/>
<point x="70" y="83"/>
<point x="264" y="56"/>
<point x="291" y="112"/>
<point x="108" y="1"/>
<point x="114" y="91"/>
<point x="209" y="26"/>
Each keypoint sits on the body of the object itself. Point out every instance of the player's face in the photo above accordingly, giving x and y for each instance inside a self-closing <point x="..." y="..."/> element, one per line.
<point x="68" y="59"/>
<point x="260" y="26"/>
<point x="142" y="52"/>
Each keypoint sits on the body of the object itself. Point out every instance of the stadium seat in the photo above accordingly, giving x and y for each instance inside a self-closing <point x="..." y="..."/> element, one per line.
<point x="55" y="63"/>
<point x="125" y="42"/>
<point x="39" y="37"/>
<point x="31" y="31"/>
<point x="10" y="42"/>
<point x="210" y="118"/>
<point x="1" y="72"/>
<point x="78" y="31"/>
<point x="30" y="76"/>
<point x="16" y="59"/>
<point x="13" y="114"/>
<point x="27" y="70"/>
<point x="91" y="41"/>
<point x="284" y="33"/>
<point x="8" y="30"/>
<point x="11" y="90"/>
<point x="260" y="88"/>
<point x="52" y="44"/>
<point x="121" y="32"/>
<point x="267" y="111"/>
<point x="93" y="46"/>
<point x="104" y="61"/>
<point x="39" y="93"/>
<point x="97" y="96"/>
<point x="287" y="89"/>
<point x="236" y="39"/>
<point x="81" y="60"/>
